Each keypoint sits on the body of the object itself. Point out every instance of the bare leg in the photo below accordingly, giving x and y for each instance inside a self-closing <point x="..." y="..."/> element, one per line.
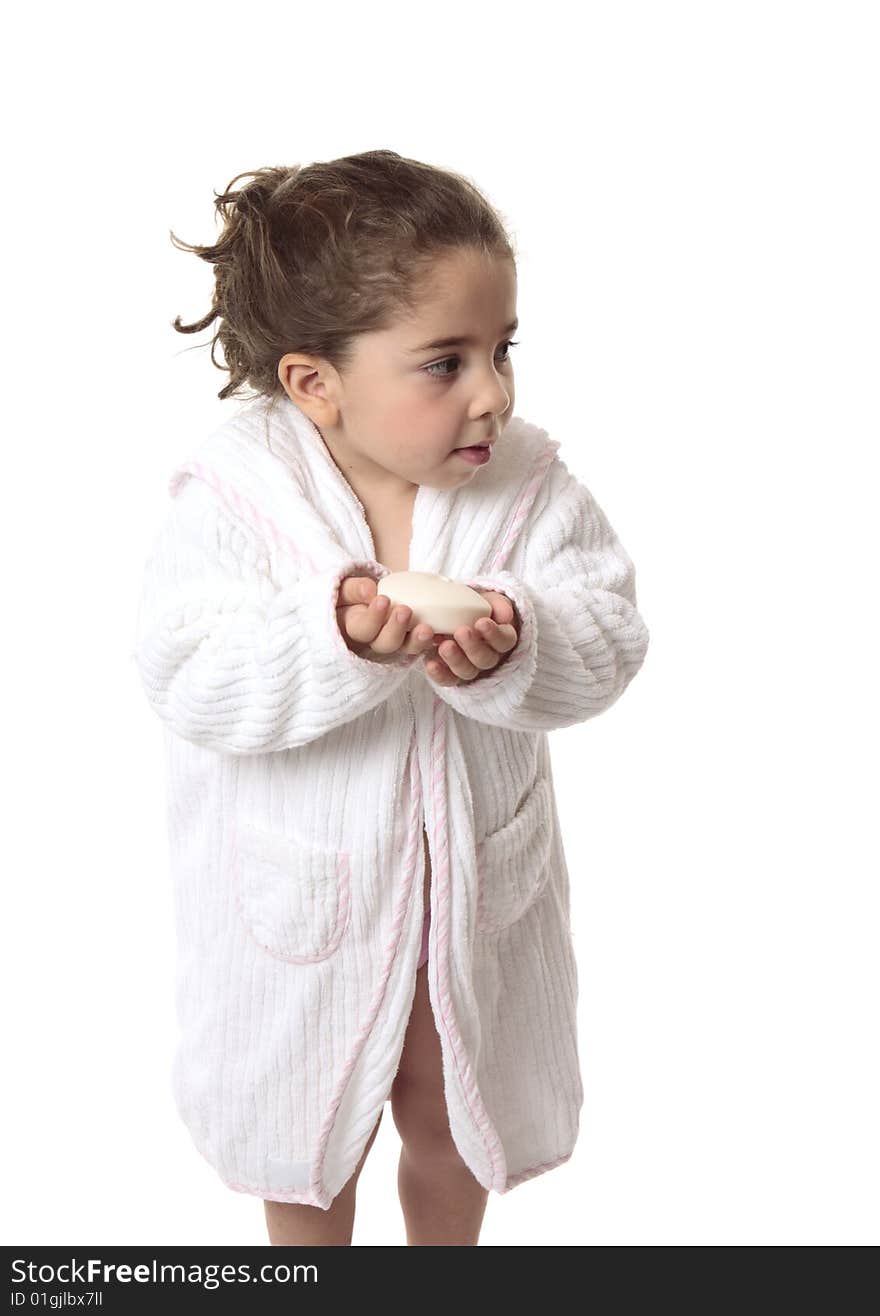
<point x="292" y="1223"/>
<point x="443" y="1204"/>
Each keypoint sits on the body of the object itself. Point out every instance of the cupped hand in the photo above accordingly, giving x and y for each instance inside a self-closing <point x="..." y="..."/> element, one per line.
<point x="371" y="627"/>
<point x="476" y="649"/>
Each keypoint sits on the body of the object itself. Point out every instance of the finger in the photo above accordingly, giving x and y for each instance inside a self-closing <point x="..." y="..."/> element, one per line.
<point x="501" y="638"/>
<point x="473" y="649"/>
<point x="356" y="589"/>
<point x="376" y="625"/>
<point x="419" y="639"/>
<point x="440" y="673"/>
<point x="458" y="662"/>
<point x="502" y="608"/>
<point x="363" y="621"/>
<point x="393" y="633"/>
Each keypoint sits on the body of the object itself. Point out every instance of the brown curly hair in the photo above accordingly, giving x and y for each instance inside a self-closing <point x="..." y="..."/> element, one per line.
<point x="312" y="256"/>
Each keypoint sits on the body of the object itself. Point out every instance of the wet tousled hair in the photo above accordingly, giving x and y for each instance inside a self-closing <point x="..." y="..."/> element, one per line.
<point x="312" y="256"/>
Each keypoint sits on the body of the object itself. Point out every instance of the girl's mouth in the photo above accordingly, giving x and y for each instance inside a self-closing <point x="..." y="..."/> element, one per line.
<point x="476" y="455"/>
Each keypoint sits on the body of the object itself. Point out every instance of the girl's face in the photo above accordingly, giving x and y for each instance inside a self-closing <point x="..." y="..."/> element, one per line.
<point x="396" y="418"/>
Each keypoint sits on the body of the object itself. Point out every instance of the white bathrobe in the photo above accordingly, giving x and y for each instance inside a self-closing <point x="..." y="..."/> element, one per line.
<point x="299" y="779"/>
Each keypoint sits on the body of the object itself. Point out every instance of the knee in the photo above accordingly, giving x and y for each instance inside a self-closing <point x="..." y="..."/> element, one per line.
<point x="423" y="1125"/>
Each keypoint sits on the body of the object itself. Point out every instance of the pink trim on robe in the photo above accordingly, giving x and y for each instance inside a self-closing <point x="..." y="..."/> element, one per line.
<point x="426" y="924"/>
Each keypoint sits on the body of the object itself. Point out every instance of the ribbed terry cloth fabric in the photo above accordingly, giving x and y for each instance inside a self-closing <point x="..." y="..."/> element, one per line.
<point x="300" y="777"/>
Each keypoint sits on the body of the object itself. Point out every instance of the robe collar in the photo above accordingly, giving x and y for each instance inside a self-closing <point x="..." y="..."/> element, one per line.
<point x="272" y="468"/>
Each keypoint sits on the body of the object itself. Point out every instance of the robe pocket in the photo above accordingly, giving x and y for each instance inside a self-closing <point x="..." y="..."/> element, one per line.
<point x="513" y="863"/>
<point x="294" y="900"/>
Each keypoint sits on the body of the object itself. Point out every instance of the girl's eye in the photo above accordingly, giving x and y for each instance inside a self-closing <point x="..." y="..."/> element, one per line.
<point x="446" y="374"/>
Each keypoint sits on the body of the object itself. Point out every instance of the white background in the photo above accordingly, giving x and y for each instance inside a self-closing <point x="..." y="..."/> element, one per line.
<point x="693" y="192"/>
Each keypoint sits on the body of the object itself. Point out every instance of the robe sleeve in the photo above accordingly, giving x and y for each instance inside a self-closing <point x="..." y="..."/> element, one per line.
<point x="581" y="637"/>
<point x="229" y="660"/>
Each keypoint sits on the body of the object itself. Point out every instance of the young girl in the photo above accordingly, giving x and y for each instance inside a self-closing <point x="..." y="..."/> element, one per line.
<point x="372" y="898"/>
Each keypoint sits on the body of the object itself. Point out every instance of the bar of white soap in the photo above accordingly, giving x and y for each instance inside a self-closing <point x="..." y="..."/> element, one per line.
<point x="436" y="601"/>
